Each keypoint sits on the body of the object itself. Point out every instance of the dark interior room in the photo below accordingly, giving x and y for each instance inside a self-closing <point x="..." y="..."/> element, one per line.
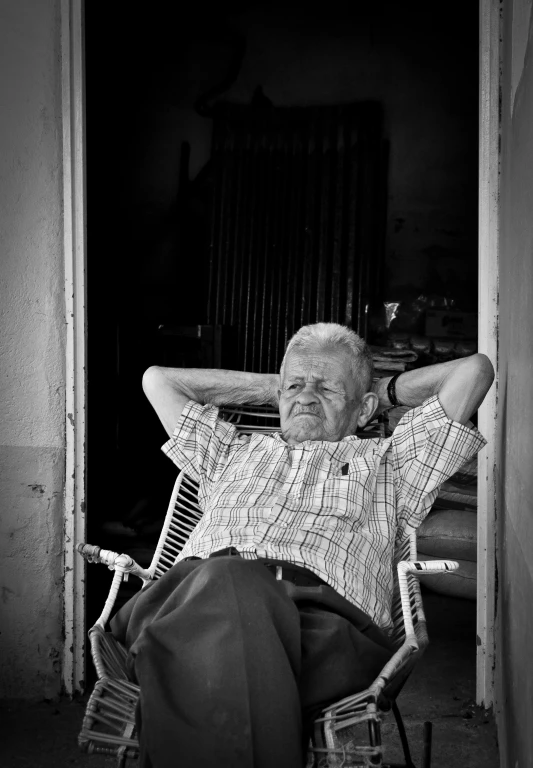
<point x="252" y="167"/>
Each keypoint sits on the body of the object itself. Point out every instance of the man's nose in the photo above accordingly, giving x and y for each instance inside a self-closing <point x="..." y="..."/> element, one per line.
<point x="308" y="394"/>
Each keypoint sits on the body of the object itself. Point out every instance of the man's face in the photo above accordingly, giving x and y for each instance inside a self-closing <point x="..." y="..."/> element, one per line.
<point x="319" y="398"/>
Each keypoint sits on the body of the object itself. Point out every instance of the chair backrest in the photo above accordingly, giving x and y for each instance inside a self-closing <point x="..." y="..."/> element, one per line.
<point x="184" y="513"/>
<point x="404" y="549"/>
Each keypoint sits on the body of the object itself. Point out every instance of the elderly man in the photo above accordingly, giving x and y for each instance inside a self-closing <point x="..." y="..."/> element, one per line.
<point x="280" y="601"/>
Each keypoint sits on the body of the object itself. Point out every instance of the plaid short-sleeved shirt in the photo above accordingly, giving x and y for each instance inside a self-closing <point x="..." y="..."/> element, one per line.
<point x="332" y="507"/>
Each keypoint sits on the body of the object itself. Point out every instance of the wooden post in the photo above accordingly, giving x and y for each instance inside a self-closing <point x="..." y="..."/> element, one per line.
<point x="489" y="167"/>
<point x="75" y="361"/>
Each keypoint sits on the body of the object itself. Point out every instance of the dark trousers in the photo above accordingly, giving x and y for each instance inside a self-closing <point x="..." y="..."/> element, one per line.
<point x="233" y="665"/>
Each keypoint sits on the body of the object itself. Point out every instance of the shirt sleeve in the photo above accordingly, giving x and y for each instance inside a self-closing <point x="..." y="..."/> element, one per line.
<point x="427" y="449"/>
<point x="202" y="443"/>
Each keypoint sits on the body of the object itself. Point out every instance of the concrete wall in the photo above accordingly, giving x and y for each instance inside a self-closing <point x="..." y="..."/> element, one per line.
<point x="31" y="350"/>
<point x="515" y="476"/>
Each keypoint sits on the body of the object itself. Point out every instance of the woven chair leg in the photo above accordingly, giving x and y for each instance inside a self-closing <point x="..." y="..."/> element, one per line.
<point x="374" y="737"/>
<point x="403" y="736"/>
<point x="310" y="761"/>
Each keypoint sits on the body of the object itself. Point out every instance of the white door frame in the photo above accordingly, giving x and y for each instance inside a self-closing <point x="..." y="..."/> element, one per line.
<point x="73" y="109"/>
<point x="489" y="169"/>
<point x="73" y="95"/>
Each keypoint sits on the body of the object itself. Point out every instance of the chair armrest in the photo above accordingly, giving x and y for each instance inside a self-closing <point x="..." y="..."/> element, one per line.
<point x="403" y="655"/>
<point x="123" y="565"/>
<point x="353" y="709"/>
<point x="113" y="560"/>
<point x="417" y="568"/>
<point x="409" y="610"/>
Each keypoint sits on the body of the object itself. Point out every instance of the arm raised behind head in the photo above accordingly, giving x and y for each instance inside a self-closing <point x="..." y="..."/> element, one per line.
<point x="169" y="389"/>
<point x="461" y="386"/>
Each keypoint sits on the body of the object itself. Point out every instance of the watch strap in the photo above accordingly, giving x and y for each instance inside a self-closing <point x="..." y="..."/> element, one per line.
<point x="391" y="391"/>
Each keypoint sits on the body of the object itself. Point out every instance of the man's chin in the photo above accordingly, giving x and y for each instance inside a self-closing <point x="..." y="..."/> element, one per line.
<point x="304" y="429"/>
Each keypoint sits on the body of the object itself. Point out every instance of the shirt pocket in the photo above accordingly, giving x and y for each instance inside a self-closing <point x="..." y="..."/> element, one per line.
<point x="344" y="498"/>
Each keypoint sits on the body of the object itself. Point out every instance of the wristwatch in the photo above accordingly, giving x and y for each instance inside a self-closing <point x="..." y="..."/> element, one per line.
<point x="391" y="391"/>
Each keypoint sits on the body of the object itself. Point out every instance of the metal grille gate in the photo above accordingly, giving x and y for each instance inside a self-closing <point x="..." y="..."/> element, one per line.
<point x="297" y="222"/>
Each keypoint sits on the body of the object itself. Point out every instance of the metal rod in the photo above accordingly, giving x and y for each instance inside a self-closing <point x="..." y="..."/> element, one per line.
<point x="234" y="259"/>
<point x="294" y="231"/>
<point x="211" y="289"/>
<point x="253" y="192"/>
<point x="267" y="252"/>
<point x="337" y="212"/>
<point x="426" y="754"/>
<point x="403" y="735"/>
<point x="323" y="219"/>
<point x="309" y="227"/>
<point x="353" y="201"/>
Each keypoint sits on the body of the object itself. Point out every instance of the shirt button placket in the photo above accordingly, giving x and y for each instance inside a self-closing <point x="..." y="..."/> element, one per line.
<point x="294" y="456"/>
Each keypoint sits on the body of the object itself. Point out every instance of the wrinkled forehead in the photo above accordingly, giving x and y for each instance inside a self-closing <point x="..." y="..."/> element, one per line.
<point x="318" y="362"/>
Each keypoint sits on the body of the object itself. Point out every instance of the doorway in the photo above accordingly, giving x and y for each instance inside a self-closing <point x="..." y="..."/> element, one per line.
<point x="137" y="277"/>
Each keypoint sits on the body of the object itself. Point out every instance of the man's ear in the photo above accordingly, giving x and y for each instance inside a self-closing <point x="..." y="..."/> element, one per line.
<point x="369" y="405"/>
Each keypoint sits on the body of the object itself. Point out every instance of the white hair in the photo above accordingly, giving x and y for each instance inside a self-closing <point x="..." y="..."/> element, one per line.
<point x="330" y="335"/>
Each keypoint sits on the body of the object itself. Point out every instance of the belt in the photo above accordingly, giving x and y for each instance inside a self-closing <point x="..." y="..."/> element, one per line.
<point x="280" y="569"/>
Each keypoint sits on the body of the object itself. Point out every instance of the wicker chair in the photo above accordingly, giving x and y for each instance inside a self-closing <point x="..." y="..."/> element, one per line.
<point x="347" y="733"/>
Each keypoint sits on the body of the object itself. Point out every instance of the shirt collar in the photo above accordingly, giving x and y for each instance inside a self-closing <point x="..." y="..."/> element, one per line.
<point x="277" y="437"/>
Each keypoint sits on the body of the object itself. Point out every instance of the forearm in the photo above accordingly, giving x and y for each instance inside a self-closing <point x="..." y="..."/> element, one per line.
<point x="461" y="386"/>
<point x="221" y="387"/>
<point x="169" y="389"/>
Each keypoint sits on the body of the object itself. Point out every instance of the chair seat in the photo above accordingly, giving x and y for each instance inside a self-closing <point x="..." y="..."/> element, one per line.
<point x="109" y="724"/>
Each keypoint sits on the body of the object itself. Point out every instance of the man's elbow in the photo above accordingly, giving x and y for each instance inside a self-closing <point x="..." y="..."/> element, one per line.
<point x="483" y="370"/>
<point x="476" y="377"/>
<point x="152" y="380"/>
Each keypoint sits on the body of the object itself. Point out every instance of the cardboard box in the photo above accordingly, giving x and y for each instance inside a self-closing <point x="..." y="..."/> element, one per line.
<point x="451" y="324"/>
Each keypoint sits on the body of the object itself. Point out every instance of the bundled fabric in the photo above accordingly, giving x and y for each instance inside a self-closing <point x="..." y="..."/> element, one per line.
<point x="449" y="534"/>
<point x="390" y="359"/>
<point x="462" y="499"/>
<point x="460" y="491"/>
<point x="429" y="349"/>
<point x="400" y="341"/>
<point x="421" y="345"/>
<point x="444" y="348"/>
<point x="465" y="348"/>
<point x="466" y="477"/>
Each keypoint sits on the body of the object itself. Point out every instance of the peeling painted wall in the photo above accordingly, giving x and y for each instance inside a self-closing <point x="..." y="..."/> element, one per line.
<point x="515" y="479"/>
<point x="31" y="350"/>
